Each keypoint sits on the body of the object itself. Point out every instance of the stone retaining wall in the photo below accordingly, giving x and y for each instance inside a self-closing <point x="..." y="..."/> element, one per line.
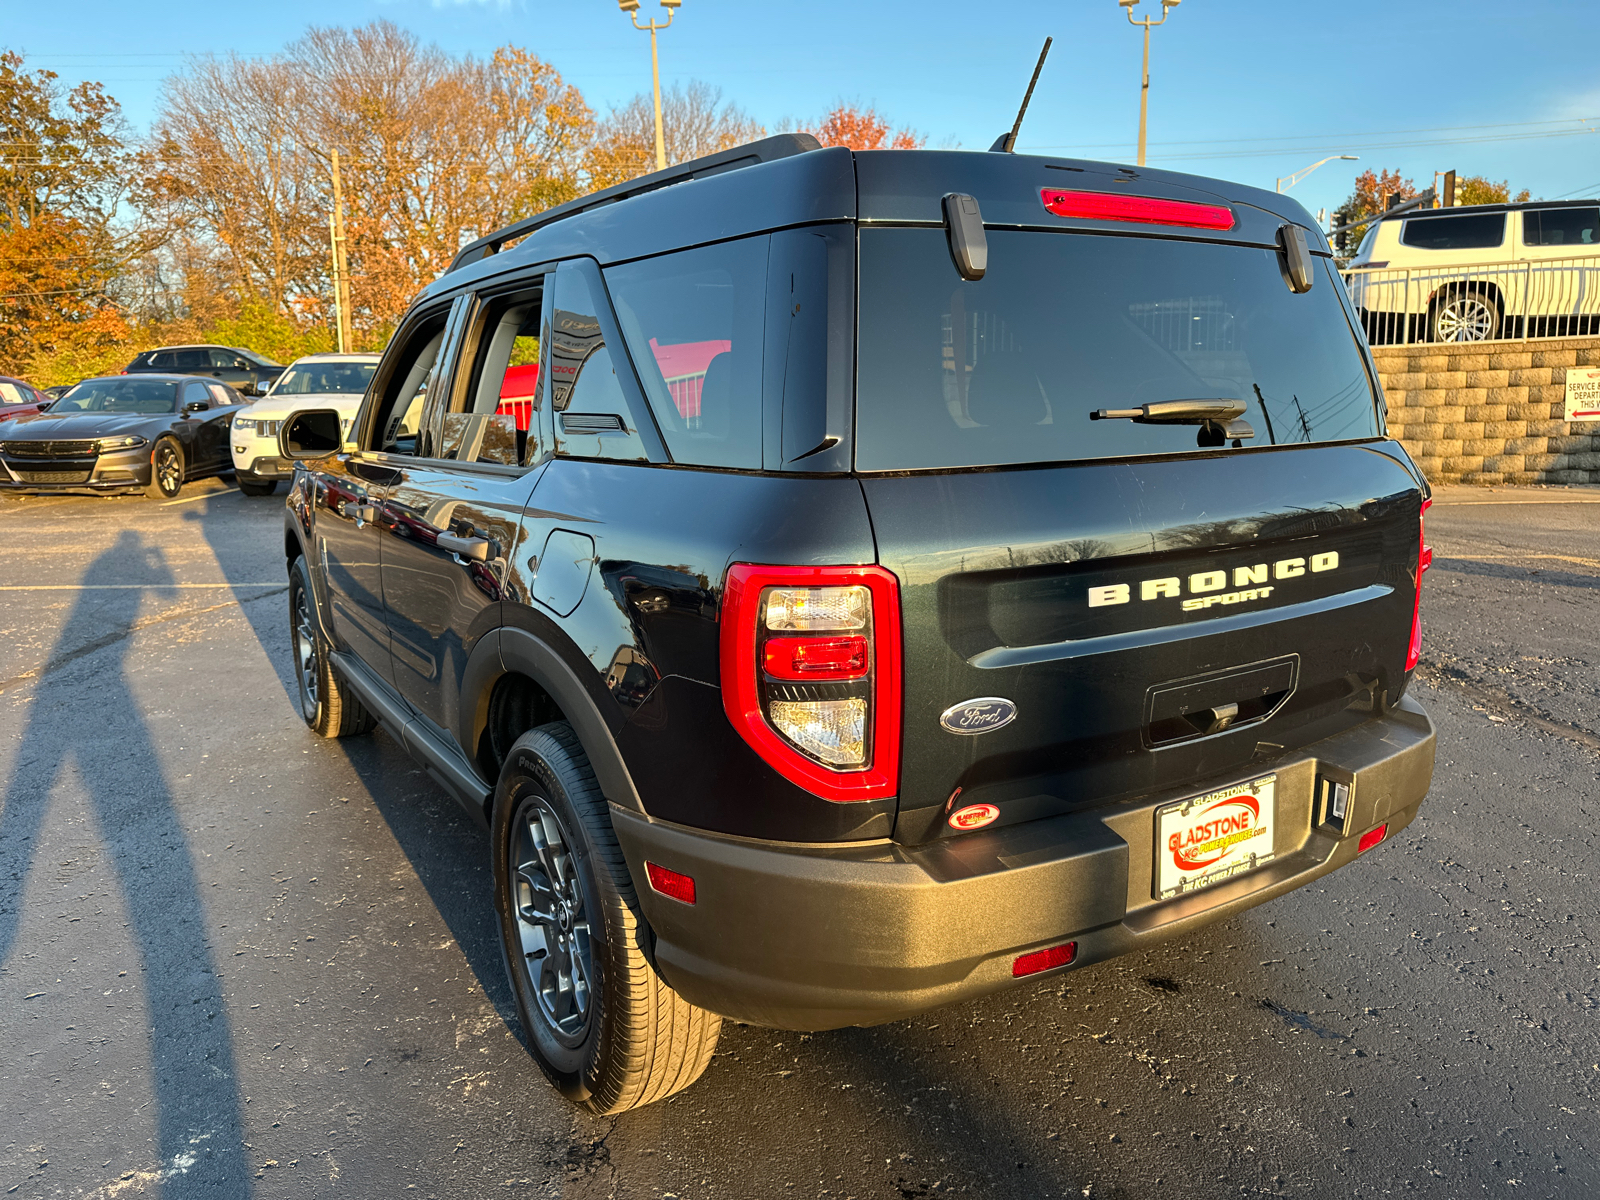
<point x="1475" y="413"/>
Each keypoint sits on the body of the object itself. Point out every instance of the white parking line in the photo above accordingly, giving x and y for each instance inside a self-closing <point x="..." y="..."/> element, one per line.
<point x="1584" y="562"/>
<point x="201" y="496"/>
<point x="120" y="587"/>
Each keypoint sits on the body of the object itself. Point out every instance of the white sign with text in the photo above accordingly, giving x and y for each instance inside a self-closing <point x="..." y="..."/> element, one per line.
<point x="1583" y="393"/>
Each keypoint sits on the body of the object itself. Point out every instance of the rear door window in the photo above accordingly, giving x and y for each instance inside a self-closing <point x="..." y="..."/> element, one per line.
<point x="1579" y="227"/>
<point x="498" y="415"/>
<point x="192" y="360"/>
<point x="162" y="360"/>
<point x="1007" y="370"/>
<point x="1470" y="231"/>
<point x="694" y="322"/>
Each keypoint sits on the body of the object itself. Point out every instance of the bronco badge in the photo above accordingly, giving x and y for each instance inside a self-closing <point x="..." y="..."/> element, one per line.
<point x="982" y="715"/>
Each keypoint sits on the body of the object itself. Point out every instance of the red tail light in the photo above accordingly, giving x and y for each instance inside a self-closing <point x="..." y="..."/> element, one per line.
<point x="1371" y="838"/>
<point x="1141" y="210"/>
<point x="1424" y="561"/>
<point x="811" y="674"/>
<point x="1044" y="960"/>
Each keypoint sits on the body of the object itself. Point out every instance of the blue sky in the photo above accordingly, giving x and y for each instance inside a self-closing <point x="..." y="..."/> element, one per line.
<point x="1242" y="89"/>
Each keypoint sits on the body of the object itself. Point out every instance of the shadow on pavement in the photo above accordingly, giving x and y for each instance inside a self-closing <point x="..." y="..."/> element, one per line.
<point x="198" y="1127"/>
<point x="446" y="849"/>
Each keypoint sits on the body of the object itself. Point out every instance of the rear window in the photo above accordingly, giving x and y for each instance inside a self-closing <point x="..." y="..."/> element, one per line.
<point x="1477" y="231"/>
<point x="1006" y="370"/>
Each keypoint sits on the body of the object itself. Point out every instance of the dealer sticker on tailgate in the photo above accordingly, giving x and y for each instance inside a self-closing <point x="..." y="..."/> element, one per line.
<point x="1209" y="838"/>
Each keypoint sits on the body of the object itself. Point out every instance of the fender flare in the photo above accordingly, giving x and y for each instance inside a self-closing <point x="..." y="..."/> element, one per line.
<point x="522" y="652"/>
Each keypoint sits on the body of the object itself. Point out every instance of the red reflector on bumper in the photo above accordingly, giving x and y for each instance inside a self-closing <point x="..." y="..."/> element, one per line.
<point x="1371" y="838"/>
<point x="1044" y="960"/>
<point x="1141" y="210"/>
<point x="670" y="883"/>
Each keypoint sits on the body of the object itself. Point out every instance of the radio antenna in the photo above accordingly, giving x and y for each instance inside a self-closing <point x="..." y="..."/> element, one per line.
<point x="1007" y="142"/>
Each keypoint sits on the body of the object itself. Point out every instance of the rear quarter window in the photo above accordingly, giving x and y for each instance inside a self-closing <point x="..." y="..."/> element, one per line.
<point x="1474" y="231"/>
<point x="1006" y="370"/>
<point x="694" y="324"/>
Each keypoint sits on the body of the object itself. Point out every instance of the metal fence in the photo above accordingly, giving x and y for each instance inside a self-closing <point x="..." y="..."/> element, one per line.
<point x="1478" y="302"/>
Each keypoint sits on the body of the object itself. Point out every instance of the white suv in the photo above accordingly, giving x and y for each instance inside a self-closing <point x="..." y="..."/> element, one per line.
<point x="335" y="381"/>
<point x="1486" y="271"/>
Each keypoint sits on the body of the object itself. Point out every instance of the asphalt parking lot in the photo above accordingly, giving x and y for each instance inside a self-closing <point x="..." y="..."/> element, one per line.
<point x="239" y="961"/>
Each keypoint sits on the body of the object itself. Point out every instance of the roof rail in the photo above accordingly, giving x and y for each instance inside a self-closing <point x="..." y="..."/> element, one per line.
<point x="769" y="149"/>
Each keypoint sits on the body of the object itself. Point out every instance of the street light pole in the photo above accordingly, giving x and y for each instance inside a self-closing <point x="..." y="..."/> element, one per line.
<point x="1291" y="180"/>
<point x="631" y="7"/>
<point x="1144" y="79"/>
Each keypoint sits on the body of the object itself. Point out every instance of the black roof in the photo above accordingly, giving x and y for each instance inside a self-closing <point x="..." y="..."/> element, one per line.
<point x="1510" y="206"/>
<point x="788" y="181"/>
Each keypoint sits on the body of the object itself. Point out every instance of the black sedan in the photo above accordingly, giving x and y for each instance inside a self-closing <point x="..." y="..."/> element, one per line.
<point x="122" y="434"/>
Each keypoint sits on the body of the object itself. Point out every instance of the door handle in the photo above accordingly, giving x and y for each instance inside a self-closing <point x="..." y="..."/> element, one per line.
<point x="475" y="548"/>
<point x="358" y="512"/>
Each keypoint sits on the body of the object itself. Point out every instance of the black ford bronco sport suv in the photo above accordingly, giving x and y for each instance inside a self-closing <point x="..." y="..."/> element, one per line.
<point x="910" y="573"/>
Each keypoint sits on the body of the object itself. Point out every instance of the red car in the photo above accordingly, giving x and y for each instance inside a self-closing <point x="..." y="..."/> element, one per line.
<point x="19" y="399"/>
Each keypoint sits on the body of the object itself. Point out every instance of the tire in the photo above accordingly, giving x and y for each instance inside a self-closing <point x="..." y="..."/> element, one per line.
<point x="608" y="1032"/>
<point x="1464" y="316"/>
<point x="255" y="487"/>
<point x="327" y="705"/>
<point x="166" y="469"/>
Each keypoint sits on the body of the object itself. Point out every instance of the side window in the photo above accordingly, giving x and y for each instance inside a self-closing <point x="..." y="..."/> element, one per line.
<point x="593" y="418"/>
<point x="162" y="360"/>
<point x="496" y="418"/>
<point x="223" y="358"/>
<point x="193" y="360"/>
<point x="195" y="392"/>
<point x="404" y="380"/>
<point x="694" y="322"/>
<point x="1561" y="227"/>
<point x="1473" y="231"/>
<point x="10" y="393"/>
<point x="222" y="395"/>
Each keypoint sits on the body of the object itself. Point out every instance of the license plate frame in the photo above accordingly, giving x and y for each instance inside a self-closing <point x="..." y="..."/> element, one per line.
<point x="1189" y="857"/>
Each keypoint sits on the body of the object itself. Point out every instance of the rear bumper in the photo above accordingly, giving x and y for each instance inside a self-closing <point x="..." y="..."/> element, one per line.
<point x="819" y="937"/>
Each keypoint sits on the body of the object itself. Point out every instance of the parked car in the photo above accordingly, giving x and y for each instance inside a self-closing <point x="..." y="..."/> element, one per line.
<point x="115" y="434"/>
<point x="58" y="390"/>
<point x="18" y="398"/>
<point x="316" y="381"/>
<point x="908" y="584"/>
<point x="243" y="370"/>
<point x="1483" y="271"/>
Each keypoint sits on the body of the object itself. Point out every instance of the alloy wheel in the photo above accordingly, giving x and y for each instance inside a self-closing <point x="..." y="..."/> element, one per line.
<point x="169" y="472"/>
<point x="305" y="653"/>
<point x="553" y="923"/>
<point x="1465" y="318"/>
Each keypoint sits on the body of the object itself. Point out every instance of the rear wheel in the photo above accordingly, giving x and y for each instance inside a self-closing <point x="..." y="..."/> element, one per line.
<point x="166" y="469"/>
<point x="602" y="1025"/>
<point x="256" y="487"/>
<point x="327" y="704"/>
<point x="1464" y="317"/>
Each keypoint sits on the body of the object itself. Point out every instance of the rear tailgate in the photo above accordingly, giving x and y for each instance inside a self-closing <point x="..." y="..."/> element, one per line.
<point x="1122" y="607"/>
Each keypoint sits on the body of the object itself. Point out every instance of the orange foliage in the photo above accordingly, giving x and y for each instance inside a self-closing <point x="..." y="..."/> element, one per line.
<point x="863" y="129"/>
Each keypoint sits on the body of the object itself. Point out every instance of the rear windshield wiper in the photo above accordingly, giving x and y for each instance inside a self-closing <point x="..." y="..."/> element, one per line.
<point x="1219" y="420"/>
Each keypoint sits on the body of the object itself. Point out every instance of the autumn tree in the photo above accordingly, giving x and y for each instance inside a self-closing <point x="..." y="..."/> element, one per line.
<point x="863" y="129"/>
<point x="1479" y="189"/>
<point x="434" y="151"/>
<point x="694" y="122"/>
<point x="65" y="168"/>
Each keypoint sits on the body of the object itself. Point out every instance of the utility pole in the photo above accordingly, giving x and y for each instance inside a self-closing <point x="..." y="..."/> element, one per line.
<point x="1144" y="85"/>
<point x="631" y="7"/>
<point x="341" y="262"/>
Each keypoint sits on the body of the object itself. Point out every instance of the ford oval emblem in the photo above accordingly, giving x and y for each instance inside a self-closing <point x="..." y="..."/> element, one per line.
<point x="982" y="715"/>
